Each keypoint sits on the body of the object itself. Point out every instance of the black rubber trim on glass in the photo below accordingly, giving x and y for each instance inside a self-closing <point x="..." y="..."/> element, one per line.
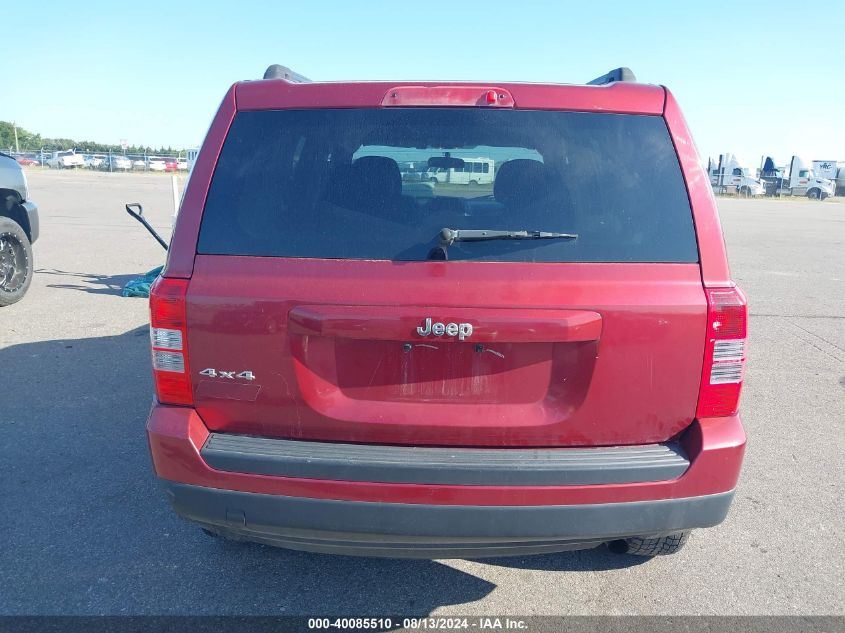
<point x="435" y="531"/>
<point x="455" y="466"/>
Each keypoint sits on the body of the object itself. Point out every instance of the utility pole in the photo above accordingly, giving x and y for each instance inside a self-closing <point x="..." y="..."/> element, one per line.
<point x="15" y="128"/>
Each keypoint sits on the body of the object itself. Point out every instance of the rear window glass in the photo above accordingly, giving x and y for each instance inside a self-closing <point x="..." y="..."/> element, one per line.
<point x="382" y="183"/>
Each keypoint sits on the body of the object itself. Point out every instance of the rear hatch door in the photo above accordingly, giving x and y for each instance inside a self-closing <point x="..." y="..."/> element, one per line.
<point x="321" y="306"/>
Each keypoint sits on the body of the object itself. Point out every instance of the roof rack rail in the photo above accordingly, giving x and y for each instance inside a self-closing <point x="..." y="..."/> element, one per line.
<point x="617" y="74"/>
<point x="277" y="71"/>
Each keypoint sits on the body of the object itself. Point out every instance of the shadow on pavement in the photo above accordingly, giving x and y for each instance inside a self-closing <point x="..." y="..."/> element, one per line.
<point x="93" y="284"/>
<point x="598" y="559"/>
<point x="93" y="534"/>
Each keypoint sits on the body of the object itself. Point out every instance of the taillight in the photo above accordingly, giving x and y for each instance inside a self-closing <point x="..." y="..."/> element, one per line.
<point x="168" y="337"/>
<point x="724" y="353"/>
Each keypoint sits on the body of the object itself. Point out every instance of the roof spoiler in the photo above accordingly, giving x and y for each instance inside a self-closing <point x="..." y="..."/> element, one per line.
<point x="277" y="71"/>
<point x="617" y="74"/>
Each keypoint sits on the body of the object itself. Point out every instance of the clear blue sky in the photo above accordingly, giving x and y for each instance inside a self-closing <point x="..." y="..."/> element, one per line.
<point x="751" y="77"/>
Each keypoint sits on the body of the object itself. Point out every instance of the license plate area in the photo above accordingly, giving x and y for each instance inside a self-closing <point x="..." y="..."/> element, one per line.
<point x="435" y="371"/>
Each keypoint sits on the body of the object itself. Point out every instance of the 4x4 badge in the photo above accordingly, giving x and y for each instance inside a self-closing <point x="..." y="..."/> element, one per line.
<point x="231" y="375"/>
<point x="461" y="330"/>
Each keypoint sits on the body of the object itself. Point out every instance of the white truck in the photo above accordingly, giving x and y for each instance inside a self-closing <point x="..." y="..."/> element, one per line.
<point x="728" y="176"/>
<point x="191" y="159"/>
<point x="66" y="160"/>
<point x="840" y="179"/>
<point x="832" y="170"/>
<point x="796" y="180"/>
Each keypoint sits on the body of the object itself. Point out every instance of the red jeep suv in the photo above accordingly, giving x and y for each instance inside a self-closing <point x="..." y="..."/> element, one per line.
<point x="448" y="320"/>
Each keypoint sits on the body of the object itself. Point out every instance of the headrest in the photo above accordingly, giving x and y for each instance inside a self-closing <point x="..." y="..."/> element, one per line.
<point x="520" y="182"/>
<point x="374" y="181"/>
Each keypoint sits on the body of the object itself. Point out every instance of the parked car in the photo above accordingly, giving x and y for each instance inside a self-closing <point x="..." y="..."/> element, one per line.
<point x="18" y="231"/>
<point x="156" y="163"/>
<point x="559" y="368"/>
<point x="410" y="174"/>
<point x="95" y="161"/>
<point x="26" y="161"/>
<point x="139" y="164"/>
<point x="67" y="159"/>
<point x="182" y="164"/>
<point x="116" y="163"/>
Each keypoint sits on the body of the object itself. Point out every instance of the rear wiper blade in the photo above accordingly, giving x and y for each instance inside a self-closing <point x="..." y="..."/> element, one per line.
<point x="449" y="236"/>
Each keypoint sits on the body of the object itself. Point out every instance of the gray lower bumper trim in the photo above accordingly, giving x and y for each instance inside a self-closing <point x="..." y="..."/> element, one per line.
<point x="435" y="531"/>
<point x="455" y="466"/>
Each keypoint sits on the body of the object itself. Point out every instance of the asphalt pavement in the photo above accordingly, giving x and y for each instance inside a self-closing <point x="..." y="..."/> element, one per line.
<point x="86" y="529"/>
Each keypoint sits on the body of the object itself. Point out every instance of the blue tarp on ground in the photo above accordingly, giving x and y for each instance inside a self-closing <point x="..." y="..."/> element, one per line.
<point x="140" y="286"/>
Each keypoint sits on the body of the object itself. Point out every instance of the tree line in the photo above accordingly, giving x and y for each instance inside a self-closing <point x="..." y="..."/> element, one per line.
<point x="30" y="142"/>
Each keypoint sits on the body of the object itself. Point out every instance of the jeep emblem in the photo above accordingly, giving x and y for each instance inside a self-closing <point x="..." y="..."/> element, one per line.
<point x="461" y="330"/>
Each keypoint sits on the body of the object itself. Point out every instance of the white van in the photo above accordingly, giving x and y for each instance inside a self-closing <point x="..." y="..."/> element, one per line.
<point x="476" y="171"/>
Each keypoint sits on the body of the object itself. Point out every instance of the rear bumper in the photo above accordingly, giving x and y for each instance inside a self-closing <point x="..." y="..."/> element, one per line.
<point x="336" y="511"/>
<point x="513" y="467"/>
<point x="407" y="530"/>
